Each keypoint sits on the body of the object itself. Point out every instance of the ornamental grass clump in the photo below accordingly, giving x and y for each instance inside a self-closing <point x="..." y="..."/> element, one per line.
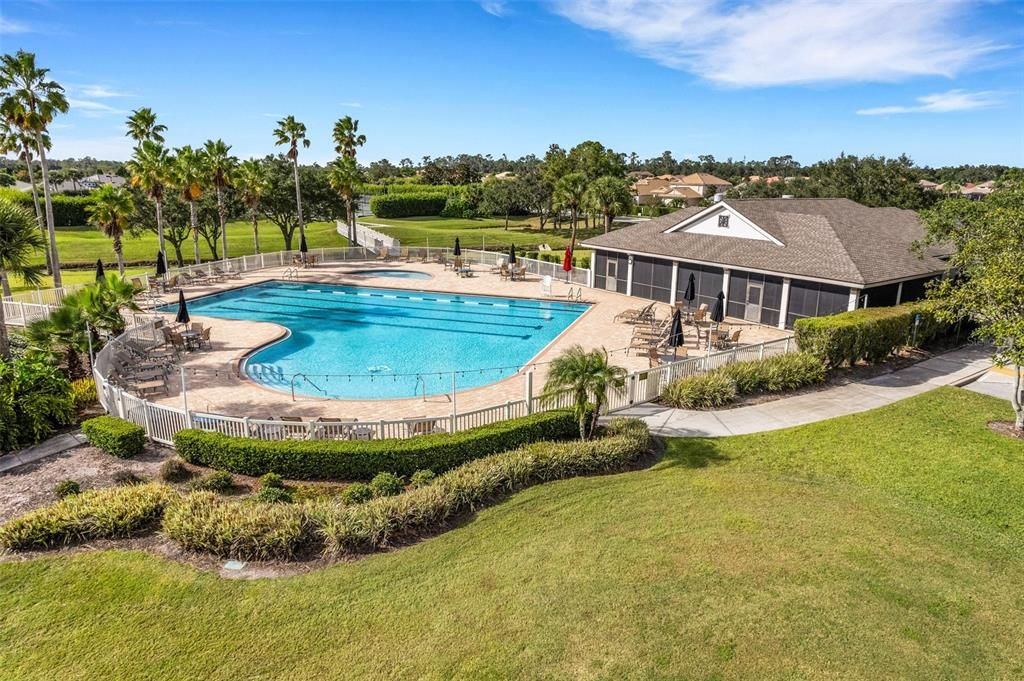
<point x="706" y="391"/>
<point x="111" y="513"/>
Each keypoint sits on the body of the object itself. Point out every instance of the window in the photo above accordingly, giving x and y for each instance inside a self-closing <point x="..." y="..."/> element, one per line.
<point x="723" y="221"/>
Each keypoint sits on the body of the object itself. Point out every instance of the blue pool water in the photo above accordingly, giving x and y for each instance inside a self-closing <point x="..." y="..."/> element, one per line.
<point x="394" y="274"/>
<point x="360" y="342"/>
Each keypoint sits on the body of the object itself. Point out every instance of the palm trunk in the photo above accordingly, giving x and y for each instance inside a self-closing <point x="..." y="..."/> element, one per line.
<point x="607" y="222"/>
<point x="5" y="284"/>
<point x="256" y="232"/>
<point x="348" y="221"/>
<point x="298" y="198"/>
<point x="223" y="229"/>
<point x="5" y="345"/>
<point x="193" y="220"/>
<point x="118" y="251"/>
<point x="50" y="231"/>
<point x="160" y="227"/>
<point x="35" y="203"/>
<point x="1018" y="398"/>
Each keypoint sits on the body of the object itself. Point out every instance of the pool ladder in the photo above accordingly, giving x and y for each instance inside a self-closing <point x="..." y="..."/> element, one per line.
<point x="577" y="296"/>
<point x="291" y="273"/>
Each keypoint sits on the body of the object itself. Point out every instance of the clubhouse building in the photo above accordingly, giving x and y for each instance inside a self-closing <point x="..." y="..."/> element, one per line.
<point x="776" y="260"/>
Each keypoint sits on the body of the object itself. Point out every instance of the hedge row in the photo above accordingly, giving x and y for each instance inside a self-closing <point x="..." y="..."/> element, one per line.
<point x="205" y="522"/>
<point x="402" y="205"/>
<point x="112" y="513"/>
<point x="115" y="436"/>
<point x="68" y="211"/>
<point x="721" y="386"/>
<point x="361" y="460"/>
<point x="869" y="334"/>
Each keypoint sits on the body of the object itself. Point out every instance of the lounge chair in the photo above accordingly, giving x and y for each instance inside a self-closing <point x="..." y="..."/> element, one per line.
<point x="635" y="315"/>
<point x="544" y="247"/>
<point x="425" y="427"/>
<point x="151" y="388"/>
<point x="404" y="254"/>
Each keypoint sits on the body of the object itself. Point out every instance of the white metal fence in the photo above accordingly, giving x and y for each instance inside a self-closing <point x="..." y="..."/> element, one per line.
<point x="162" y="421"/>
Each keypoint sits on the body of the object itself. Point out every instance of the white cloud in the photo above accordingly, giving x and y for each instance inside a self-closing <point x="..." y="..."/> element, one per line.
<point x="100" y="91"/>
<point x="10" y="26"/>
<point x="352" y="105"/>
<point x="93" y="109"/>
<point x="115" y="148"/>
<point x="943" y="102"/>
<point x="787" y="42"/>
<point x="498" y="8"/>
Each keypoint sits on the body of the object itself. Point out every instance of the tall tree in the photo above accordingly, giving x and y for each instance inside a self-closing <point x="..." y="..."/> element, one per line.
<point x="150" y="169"/>
<point x="221" y="166"/>
<point x="609" y="196"/>
<point x="293" y="133"/>
<point x="142" y="127"/>
<point x="13" y="140"/>
<point x="31" y="101"/>
<point x="569" y="193"/>
<point x="985" y="279"/>
<point x="110" y="210"/>
<point x="19" y="241"/>
<point x="345" y="177"/>
<point x="189" y="174"/>
<point x="346" y="141"/>
<point x="502" y="197"/>
<point x="253" y="183"/>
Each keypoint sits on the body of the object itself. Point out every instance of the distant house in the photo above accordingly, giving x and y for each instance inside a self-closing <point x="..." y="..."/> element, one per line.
<point x="85" y="184"/>
<point x="928" y="185"/>
<point x="689" y="189"/>
<point x="776" y="260"/>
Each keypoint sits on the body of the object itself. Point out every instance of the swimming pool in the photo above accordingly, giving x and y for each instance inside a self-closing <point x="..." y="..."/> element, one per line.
<point x="358" y="342"/>
<point x="394" y="274"/>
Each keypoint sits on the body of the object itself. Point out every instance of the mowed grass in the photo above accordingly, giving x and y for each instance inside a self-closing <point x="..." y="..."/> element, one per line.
<point x="888" y="544"/>
<point x="476" y="232"/>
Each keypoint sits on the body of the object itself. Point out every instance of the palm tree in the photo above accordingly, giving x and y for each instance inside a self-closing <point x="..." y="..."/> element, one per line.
<point x="110" y="211"/>
<point x="609" y="196"/>
<point x="346" y="140"/>
<point x="345" y="177"/>
<point x="586" y="376"/>
<point x="19" y="240"/>
<point x="569" y="193"/>
<point x="253" y="183"/>
<point x="289" y="131"/>
<point x="15" y="141"/>
<point x="189" y="173"/>
<point x="32" y="101"/>
<point x="220" y="165"/>
<point x="151" y="170"/>
<point x="142" y="126"/>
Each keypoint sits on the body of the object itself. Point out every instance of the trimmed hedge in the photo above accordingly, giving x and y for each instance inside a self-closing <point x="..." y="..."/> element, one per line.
<point x="361" y="460"/>
<point x="403" y="205"/>
<point x="870" y="334"/>
<point x="115" y="436"/>
<point x="115" y="512"/>
<point x="68" y="211"/>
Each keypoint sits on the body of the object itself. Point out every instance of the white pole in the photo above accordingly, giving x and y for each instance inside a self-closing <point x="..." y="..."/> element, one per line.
<point x="184" y="397"/>
<point x="455" y="411"/>
<point x="88" y="335"/>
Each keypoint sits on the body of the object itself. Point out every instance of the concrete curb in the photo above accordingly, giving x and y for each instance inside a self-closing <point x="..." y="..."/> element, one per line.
<point x="55" y="445"/>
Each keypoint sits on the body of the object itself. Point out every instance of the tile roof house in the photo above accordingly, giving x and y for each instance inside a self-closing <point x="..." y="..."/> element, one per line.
<point x="776" y="260"/>
<point x="689" y="189"/>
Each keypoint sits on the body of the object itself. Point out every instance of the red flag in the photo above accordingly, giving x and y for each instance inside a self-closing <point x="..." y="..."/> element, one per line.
<point x="567" y="260"/>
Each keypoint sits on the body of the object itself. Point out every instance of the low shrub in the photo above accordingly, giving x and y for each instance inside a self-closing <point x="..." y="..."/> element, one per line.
<point x="411" y="204"/>
<point x="356" y="493"/>
<point x="174" y="470"/>
<point x="115" y="436"/>
<point x="126" y="476"/>
<point x="83" y="393"/>
<point x="382" y="521"/>
<point x="270" y="481"/>
<point x="421" y="478"/>
<point x="869" y="334"/>
<point x="35" y="398"/>
<point x="114" y="512"/>
<point x="775" y="374"/>
<point x="66" y="488"/>
<point x="273" y="495"/>
<point x="202" y="521"/>
<point x="706" y="391"/>
<point x="217" y="481"/>
<point x="386" y="485"/>
<point x="361" y="460"/>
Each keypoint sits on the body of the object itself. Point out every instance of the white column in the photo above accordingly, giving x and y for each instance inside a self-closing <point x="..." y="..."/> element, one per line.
<point x="593" y="268"/>
<point x="675" y="280"/>
<point x="629" y="277"/>
<point x="854" y="293"/>
<point x="784" y="310"/>
<point x="725" y="286"/>
<point x="899" y="293"/>
<point x="528" y="391"/>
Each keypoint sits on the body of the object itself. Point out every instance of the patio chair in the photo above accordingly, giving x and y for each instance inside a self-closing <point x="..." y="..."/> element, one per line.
<point x="425" y="427"/>
<point x="404" y="254"/>
<point x="545" y="285"/>
<point x="504" y="272"/>
<point x="204" y="338"/>
<point x="196" y="326"/>
<point x="333" y="428"/>
<point x="519" y="273"/>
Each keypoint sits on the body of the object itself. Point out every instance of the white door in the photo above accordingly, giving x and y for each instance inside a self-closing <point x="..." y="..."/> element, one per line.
<point x="611" y="274"/>
<point x="752" y="312"/>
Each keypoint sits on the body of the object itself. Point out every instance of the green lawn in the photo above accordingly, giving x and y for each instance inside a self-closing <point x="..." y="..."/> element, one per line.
<point x="888" y="544"/>
<point x="476" y="232"/>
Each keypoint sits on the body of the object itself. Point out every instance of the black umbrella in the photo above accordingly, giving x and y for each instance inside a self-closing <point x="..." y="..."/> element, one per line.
<point x="303" y="248"/>
<point x="101" y="276"/>
<point x="691" y="290"/>
<point x="718" y="311"/>
<point x="161" y="264"/>
<point x="458" y="249"/>
<point x="676" y="337"/>
<point x="182" y="317"/>
<point x="512" y="254"/>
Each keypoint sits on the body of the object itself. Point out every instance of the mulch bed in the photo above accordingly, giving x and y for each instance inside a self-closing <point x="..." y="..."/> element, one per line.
<point x="1006" y="429"/>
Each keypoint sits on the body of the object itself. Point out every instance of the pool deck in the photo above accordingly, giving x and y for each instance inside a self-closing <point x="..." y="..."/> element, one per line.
<point x="214" y="388"/>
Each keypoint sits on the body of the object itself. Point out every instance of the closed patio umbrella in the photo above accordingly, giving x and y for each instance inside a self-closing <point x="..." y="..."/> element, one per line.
<point x="182" y="317"/>
<point x="567" y="262"/>
<point x="676" y="336"/>
<point x="691" y="291"/>
<point x="512" y="254"/>
<point x="100" y="274"/>
<point x="161" y="264"/>
<point x="303" y="248"/>
<point x="717" y="314"/>
<point x="457" y="251"/>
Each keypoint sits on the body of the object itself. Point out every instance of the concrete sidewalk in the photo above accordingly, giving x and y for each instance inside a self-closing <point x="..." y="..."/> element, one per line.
<point x="953" y="368"/>
<point x="55" y="445"/>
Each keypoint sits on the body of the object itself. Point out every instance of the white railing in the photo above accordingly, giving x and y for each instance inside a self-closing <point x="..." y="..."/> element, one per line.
<point x="578" y="275"/>
<point x="162" y="422"/>
<point x="369" y="237"/>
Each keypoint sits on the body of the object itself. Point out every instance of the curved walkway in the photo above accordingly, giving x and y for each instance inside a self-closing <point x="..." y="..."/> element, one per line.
<point x="952" y="368"/>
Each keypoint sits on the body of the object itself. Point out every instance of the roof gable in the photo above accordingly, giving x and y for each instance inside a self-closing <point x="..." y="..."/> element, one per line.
<point x="721" y="220"/>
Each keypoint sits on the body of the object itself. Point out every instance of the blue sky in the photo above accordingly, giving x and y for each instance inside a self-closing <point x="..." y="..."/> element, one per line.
<point x="941" y="80"/>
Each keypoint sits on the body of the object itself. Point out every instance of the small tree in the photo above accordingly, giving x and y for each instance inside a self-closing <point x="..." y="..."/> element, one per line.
<point x="986" y="271"/>
<point x="609" y="196"/>
<point x="110" y="210"/>
<point x="586" y="376"/>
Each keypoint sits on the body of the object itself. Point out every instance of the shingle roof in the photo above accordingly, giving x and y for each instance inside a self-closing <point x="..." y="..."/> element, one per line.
<point x="835" y="239"/>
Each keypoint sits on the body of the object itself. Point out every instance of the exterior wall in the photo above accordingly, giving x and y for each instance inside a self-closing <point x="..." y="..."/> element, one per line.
<point x="811" y="299"/>
<point x="880" y="296"/>
<point x="601" y="268"/>
<point x="914" y="289"/>
<point x="652" y="279"/>
<point x="738" y="227"/>
<point x="708" y="282"/>
<point x="771" y="296"/>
